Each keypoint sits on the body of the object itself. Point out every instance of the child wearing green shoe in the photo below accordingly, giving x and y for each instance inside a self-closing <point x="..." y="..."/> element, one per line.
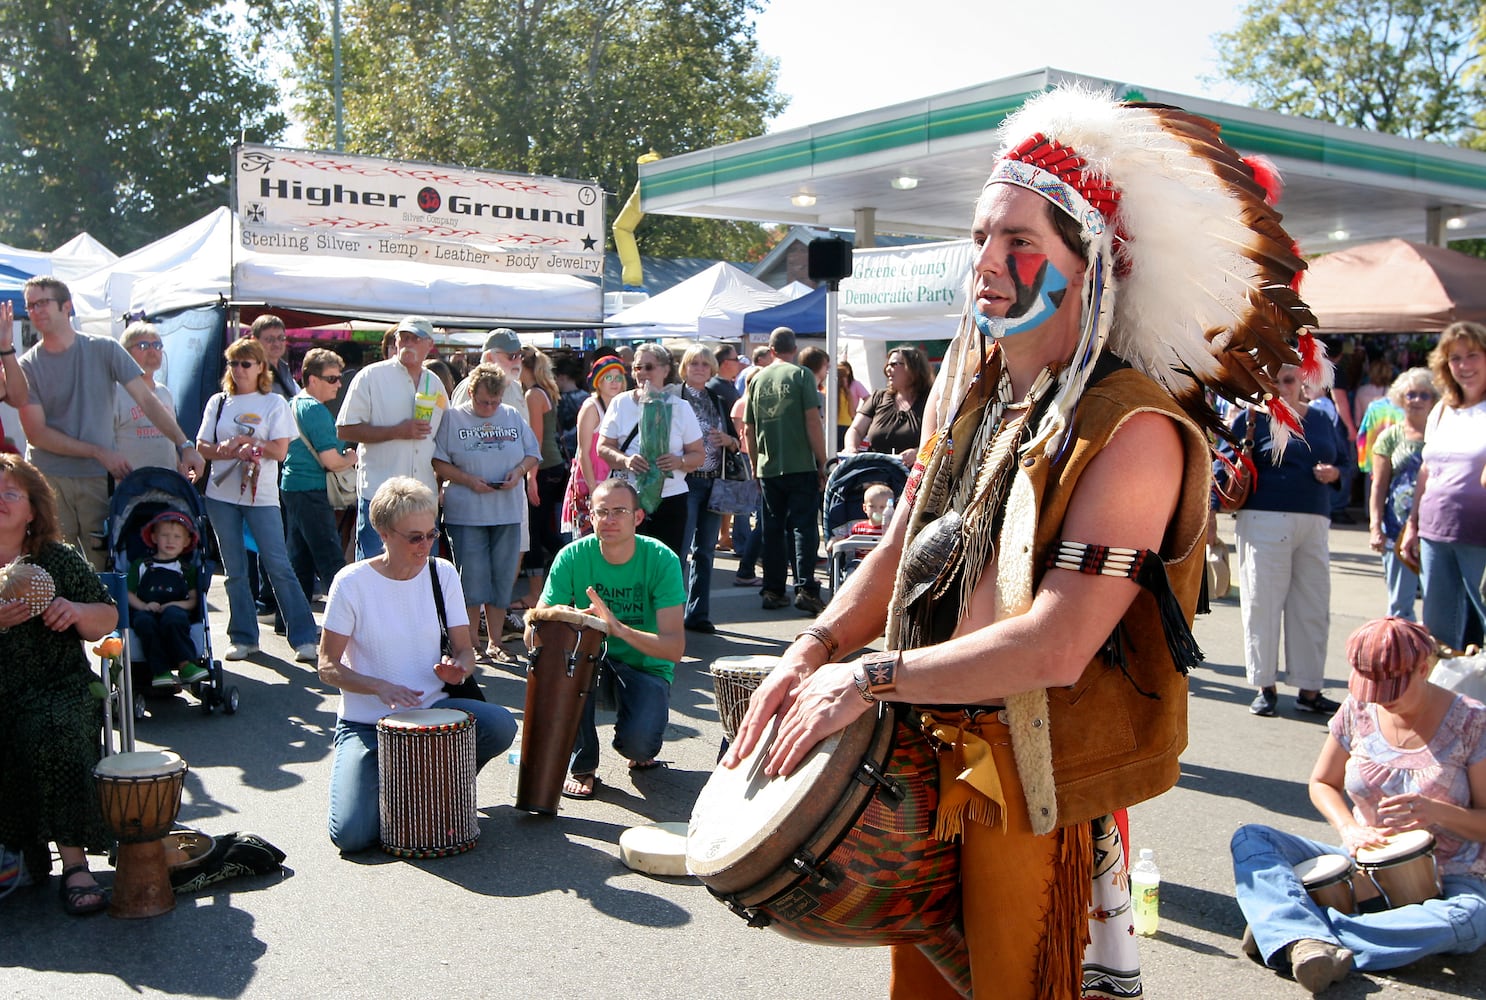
<point x="163" y="595"/>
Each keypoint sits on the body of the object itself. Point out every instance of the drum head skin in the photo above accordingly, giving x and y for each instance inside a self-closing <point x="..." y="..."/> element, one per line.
<point x="742" y="814"/>
<point x="1326" y="868"/>
<point x="567" y="614"/>
<point x="656" y="849"/>
<point x="1400" y="847"/>
<point x="139" y="764"/>
<point x="752" y="665"/>
<point x="426" y="718"/>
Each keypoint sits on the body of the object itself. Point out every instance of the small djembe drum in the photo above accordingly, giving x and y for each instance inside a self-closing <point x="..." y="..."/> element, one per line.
<point x="426" y="782"/>
<point x="140" y="795"/>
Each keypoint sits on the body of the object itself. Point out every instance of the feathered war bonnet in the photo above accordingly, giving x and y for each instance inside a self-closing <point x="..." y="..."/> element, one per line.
<point x="1190" y="276"/>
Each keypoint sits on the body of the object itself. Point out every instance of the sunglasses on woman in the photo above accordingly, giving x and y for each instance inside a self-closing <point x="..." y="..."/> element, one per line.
<point x="241" y="363"/>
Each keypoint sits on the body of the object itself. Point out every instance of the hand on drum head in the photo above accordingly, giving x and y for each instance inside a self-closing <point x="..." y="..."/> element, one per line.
<point x="1406" y="812"/>
<point x="825" y="703"/>
<point x="599" y="609"/>
<point x="1355" y="837"/>
<point x="395" y="696"/>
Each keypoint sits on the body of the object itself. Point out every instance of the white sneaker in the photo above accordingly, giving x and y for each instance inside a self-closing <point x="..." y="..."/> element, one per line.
<point x="308" y="652"/>
<point x="240" y="651"/>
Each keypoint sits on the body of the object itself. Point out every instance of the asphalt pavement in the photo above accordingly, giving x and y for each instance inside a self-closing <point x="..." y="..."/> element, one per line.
<point x="543" y="907"/>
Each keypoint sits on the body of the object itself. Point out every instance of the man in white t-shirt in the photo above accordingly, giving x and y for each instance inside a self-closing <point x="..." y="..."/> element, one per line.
<point x="379" y="416"/>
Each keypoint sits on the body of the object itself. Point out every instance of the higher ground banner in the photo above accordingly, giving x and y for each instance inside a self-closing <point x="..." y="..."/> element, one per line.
<point x="306" y="202"/>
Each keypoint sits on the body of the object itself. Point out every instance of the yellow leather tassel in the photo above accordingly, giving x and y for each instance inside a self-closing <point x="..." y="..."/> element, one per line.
<point x="969" y="784"/>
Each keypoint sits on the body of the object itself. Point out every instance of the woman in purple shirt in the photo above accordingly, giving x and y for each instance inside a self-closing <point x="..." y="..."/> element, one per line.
<point x="1447" y="530"/>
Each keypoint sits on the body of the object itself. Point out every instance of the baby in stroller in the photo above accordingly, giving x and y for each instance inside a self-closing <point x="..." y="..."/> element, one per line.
<point x="164" y="592"/>
<point x="877" y="503"/>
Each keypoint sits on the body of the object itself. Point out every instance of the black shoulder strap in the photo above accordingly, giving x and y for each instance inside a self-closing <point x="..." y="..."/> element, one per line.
<point x="438" y="602"/>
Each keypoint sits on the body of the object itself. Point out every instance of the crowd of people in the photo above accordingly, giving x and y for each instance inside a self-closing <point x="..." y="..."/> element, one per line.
<point x="1016" y="546"/>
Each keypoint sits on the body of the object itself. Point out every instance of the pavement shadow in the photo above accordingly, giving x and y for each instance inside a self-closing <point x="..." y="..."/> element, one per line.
<point x="521" y="855"/>
<point x="1285" y="798"/>
<point x="146" y="956"/>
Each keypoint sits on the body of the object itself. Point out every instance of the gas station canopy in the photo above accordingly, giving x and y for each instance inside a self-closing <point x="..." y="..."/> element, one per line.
<point x="916" y="168"/>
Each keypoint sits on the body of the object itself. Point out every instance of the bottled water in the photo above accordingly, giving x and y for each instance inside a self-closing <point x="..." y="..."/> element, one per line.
<point x="1145" y="893"/>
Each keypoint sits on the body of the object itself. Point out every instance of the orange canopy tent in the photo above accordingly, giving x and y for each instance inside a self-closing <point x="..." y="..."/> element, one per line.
<point x="1394" y="286"/>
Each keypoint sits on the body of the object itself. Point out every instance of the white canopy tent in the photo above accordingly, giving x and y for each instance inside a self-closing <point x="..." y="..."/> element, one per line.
<point x="197" y="266"/>
<point x="709" y="304"/>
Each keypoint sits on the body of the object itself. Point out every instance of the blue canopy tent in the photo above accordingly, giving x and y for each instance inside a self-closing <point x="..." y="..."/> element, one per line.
<point x="12" y="288"/>
<point x="804" y="315"/>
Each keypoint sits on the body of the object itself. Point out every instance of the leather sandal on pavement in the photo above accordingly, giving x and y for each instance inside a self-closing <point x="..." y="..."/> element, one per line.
<point x="75" y="898"/>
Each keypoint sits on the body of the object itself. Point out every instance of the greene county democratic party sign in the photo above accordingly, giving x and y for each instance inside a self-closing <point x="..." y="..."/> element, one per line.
<point x="317" y="203"/>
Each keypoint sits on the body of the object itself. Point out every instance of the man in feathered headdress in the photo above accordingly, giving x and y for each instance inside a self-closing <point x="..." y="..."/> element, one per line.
<point x="1037" y="599"/>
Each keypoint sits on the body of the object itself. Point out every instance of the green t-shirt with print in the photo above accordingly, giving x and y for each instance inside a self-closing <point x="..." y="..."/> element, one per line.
<point x="634" y="591"/>
<point x="781" y="398"/>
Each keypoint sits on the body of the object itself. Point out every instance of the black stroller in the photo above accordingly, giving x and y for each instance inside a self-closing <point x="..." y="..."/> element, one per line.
<point x="136" y="500"/>
<point x="846" y="486"/>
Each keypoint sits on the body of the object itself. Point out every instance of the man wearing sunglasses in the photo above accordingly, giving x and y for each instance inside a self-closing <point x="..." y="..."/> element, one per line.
<point x="68" y="419"/>
<point x="314" y="543"/>
<point x="138" y="440"/>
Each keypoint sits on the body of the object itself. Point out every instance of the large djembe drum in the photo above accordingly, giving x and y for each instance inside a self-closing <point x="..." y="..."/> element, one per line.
<point x="568" y="645"/>
<point x="140" y="795"/>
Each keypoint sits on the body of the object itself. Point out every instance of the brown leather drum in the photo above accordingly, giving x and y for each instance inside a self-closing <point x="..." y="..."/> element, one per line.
<point x="426" y="783"/>
<point x="568" y="645"/>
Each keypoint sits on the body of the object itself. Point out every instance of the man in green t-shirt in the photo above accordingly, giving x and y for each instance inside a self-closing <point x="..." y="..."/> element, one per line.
<point x="787" y="441"/>
<point x="634" y="584"/>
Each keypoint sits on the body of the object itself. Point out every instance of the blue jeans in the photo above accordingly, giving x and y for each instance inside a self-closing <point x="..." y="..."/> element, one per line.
<point x="1451" y="574"/>
<point x="747" y="541"/>
<point x="1280" y="912"/>
<point x="314" y="541"/>
<point x="267" y="526"/>
<point x="166" y="638"/>
<point x="699" y="542"/>
<point x="639" y="725"/>
<point x="791" y="513"/>
<point x="355" y="822"/>
<point x="1403" y="584"/>
<point x="368" y="542"/>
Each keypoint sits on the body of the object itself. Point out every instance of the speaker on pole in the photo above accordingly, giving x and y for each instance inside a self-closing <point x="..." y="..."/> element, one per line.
<point x="830" y="259"/>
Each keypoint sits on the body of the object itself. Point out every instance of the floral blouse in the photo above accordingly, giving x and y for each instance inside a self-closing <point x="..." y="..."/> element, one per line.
<point x="1377" y="769"/>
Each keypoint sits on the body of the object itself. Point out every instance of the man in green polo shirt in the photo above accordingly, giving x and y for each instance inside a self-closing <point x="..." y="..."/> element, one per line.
<point x="634" y="584"/>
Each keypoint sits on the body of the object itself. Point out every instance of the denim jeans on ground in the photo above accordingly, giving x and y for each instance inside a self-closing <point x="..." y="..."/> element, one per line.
<point x="747" y="542"/>
<point x="1279" y="910"/>
<point x="1403" y="584"/>
<point x="368" y="542"/>
<point x="268" y="532"/>
<point x="1451" y="574"/>
<point x="354" y="820"/>
<point x="791" y="515"/>
<point x="639" y="725"/>
<point x="314" y="541"/>
<point x="699" y="542"/>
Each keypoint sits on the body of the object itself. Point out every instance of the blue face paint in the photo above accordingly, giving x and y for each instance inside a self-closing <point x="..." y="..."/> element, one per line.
<point x="1040" y="289"/>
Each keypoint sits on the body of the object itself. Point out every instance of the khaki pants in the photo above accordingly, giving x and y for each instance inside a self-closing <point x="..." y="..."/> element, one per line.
<point x="82" y="507"/>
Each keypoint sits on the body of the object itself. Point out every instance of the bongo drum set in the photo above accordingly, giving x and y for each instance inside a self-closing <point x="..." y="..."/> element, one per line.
<point x="561" y="674"/>
<point x="139" y="794"/>
<point x="1399" y="873"/>
<point x="426" y="783"/>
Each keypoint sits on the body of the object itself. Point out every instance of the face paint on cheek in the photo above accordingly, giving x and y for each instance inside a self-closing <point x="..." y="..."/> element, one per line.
<point x="1040" y="289"/>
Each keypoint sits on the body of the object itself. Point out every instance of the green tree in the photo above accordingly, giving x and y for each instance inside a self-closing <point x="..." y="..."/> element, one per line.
<point x="117" y="117"/>
<point x="1406" y="67"/>
<point x="572" y="88"/>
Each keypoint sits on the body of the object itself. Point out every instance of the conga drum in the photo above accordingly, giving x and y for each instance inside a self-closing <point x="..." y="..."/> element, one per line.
<point x="426" y="782"/>
<point x="559" y="677"/>
<point x="735" y="678"/>
<point x="1403" y="870"/>
<point x="1328" y="881"/>
<point x="842" y="851"/>
<point x="140" y="794"/>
